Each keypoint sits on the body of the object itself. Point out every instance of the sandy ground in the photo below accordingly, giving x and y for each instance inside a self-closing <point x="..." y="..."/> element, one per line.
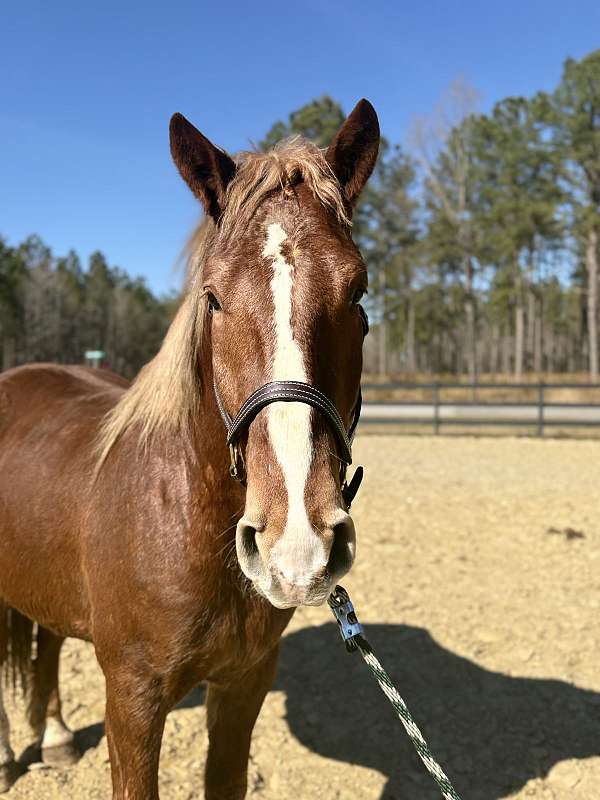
<point x="478" y="576"/>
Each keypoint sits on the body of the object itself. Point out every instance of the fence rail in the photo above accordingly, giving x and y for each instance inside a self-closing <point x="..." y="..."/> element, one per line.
<point x="536" y="411"/>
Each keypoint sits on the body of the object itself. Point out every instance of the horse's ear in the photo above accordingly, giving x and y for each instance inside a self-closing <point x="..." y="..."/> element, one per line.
<point x="205" y="168"/>
<point x="353" y="152"/>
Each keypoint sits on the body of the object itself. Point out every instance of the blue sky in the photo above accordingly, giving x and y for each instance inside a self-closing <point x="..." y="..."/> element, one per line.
<point x="87" y="90"/>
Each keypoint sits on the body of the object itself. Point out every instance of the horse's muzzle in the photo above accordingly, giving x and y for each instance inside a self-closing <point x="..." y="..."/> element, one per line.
<point x="300" y="566"/>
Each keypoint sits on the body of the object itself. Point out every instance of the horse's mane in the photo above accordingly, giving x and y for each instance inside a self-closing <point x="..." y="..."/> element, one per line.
<point x="166" y="393"/>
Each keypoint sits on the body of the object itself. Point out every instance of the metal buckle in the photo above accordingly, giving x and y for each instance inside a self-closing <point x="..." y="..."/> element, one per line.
<point x="343" y="610"/>
<point x="235" y="461"/>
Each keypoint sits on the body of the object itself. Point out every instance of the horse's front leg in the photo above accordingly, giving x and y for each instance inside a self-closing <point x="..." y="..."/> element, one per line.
<point x="231" y="714"/>
<point x="135" y="718"/>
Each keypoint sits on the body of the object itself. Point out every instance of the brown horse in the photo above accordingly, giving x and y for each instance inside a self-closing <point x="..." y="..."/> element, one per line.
<point x="118" y="517"/>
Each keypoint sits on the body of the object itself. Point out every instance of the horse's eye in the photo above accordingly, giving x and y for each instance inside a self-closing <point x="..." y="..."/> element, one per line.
<point x="357" y="296"/>
<point x="213" y="303"/>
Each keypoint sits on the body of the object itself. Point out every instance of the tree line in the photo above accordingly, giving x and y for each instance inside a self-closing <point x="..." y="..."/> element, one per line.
<point x="51" y="309"/>
<point x="481" y="237"/>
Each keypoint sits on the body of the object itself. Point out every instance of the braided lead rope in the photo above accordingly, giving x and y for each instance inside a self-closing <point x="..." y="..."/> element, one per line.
<point x="410" y="726"/>
<point x="352" y="633"/>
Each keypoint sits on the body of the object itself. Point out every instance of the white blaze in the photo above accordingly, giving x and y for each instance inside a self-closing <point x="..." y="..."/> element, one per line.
<point x="289" y="423"/>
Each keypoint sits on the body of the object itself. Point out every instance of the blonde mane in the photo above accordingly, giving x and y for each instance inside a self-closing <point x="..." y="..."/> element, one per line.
<point x="166" y="393"/>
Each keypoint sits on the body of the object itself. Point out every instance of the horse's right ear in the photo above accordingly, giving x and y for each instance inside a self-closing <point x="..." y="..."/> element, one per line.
<point x="205" y="168"/>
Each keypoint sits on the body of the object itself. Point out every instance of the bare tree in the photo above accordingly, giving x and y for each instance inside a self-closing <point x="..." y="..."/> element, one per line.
<point x="444" y="130"/>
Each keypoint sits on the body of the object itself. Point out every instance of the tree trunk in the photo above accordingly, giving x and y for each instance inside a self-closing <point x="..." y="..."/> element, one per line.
<point x="519" y="337"/>
<point x="591" y="261"/>
<point x="495" y="350"/>
<point x="506" y="352"/>
<point x="483" y="355"/>
<point x="519" y="320"/>
<point x="8" y="352"/>
<point x="382" y="327"/>
<point x="571" y="357"/>
<point x="531" y="323"/>
<point x="382" y="349"/>
<point x="550" y="348"/>
<point x="538" y="349"/>
<point x="471" y="344"/>
<point x="411" y="356"/>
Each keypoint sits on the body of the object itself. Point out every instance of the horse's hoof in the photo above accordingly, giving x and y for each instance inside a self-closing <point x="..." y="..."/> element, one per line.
<point x="62" y="755"/>
<point x="8" y="775"/>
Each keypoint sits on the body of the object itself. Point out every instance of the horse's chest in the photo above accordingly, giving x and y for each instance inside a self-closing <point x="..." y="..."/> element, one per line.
<point x="239" y="639"/>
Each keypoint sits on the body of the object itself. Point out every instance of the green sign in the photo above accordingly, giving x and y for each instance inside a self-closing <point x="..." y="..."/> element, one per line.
<point x="95" y="355"/>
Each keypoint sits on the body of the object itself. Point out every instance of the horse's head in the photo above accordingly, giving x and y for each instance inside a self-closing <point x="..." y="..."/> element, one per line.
<point x="282" y="279"/>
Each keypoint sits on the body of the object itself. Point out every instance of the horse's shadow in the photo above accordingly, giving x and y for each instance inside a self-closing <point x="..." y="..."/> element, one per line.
<point x="491" y="733"/>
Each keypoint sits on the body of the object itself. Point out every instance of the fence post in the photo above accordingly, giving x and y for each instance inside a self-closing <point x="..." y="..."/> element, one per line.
<point x="541" y="409"/>
<point x="436" y="408"/>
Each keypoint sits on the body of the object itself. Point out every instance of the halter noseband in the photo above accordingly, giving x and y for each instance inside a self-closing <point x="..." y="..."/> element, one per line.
<point x="292" y="392"/>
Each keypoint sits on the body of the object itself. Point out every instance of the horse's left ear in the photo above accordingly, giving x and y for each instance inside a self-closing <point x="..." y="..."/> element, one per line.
<point x="205" y="168"/>
<point x="353" y="152"/>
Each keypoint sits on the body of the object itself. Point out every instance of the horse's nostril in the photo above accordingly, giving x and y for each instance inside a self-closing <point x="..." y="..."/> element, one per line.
<point x="247" y="539"/>
<point x="248" y="552"/>
<point x="341" y="554"/>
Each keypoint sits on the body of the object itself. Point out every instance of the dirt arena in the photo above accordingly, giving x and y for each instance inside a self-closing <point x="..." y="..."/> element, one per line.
<point x="478" y="578"/>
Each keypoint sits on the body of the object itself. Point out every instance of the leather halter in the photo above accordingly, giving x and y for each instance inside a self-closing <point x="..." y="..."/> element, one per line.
<point x="294" y="392"/>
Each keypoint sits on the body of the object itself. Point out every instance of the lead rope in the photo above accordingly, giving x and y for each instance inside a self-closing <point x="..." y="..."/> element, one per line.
<point x="352" y="633"/>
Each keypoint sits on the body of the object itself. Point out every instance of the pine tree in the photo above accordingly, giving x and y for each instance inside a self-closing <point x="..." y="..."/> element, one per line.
<point x="318" y="121"/>
<point x="576" y="104"/>
<point x="386" y="229"/>
<point x="518" y="196"/>
<point x="452" y="228"/>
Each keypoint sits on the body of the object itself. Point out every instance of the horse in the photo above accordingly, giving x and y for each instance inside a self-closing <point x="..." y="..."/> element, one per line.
<point x="120" y="523"/>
